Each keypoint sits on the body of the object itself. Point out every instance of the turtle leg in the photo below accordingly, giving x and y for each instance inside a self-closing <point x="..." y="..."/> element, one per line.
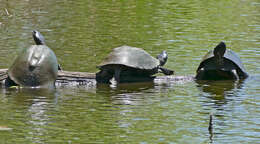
<point x="235" y="75"/>
<point x="166" y="71"/>
<point x="200" y="74"/>
<point x="59" y="67"/>
<point x="103" y="76"/>
<point x="117" y="75"/>
<point x="9" y="82"/>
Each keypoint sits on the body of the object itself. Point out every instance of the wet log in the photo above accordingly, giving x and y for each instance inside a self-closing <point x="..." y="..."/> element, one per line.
<point x="65" y="78"/>
<point x="68" y="78"/>
<point x="3" y="74"/>
<point x="89" y="79"/>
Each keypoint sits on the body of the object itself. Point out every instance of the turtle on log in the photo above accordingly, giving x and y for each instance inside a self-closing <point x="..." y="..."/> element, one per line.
<point x="221" y="64"/>
<point x="35" y="66"/>
<point x="131" y="64"/>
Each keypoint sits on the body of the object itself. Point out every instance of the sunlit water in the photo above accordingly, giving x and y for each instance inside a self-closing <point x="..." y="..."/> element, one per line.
<point x="82" y="33"/>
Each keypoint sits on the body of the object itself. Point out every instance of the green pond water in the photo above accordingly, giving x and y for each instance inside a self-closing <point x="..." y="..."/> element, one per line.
<point x="83" y="32"/>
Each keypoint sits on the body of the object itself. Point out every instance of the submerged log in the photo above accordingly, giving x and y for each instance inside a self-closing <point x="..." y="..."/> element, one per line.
<point x="68" y="78"/>
<point x="3" y="74"/>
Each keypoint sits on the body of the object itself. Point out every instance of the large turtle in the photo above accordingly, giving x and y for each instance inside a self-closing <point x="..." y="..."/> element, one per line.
<point x="131" y="64"/>
<point x="35" y="66"/>
<point x="221" y="64"/>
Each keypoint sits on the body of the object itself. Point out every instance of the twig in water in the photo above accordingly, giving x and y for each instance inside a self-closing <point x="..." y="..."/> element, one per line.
<point x="6" y="11"/>
<point x="210" y="123"/>
<point x="210" y="128"/>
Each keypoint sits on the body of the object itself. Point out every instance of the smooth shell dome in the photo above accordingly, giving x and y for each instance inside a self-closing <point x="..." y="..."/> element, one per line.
<point x="34" y="66"/>
<point x="131" y="57"/>
<point x="229" y="54"/>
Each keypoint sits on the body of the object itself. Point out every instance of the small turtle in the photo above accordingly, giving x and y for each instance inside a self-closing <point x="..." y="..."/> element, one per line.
<point x="130" y="64"/>
<point x="35" y="66"/>
<point x="221" y="64"/>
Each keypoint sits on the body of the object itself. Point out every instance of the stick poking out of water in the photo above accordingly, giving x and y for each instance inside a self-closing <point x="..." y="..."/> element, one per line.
<point x="210" y="123"/>
<point x="6" y="11"/>
<point x="210" y="128"/>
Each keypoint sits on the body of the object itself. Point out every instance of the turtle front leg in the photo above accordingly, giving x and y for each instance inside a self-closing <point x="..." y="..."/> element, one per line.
<point x="59" y="67"/>
<point x="103" y="76"/>
<point x="235" y="75"/>
<point x="165" y="71"/>
<point x="200" y="74"/>
<point x="117" y="75"/>
<point x="9" y="82"/>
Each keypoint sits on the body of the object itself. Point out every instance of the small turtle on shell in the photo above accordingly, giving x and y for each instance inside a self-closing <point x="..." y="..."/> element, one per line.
<point x="35" y="66"/>
<point x="130" y="64"/>
<point x="221" y="64"/>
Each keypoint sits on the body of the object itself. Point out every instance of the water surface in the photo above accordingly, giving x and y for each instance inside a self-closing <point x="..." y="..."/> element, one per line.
<point x="83" y="32"/>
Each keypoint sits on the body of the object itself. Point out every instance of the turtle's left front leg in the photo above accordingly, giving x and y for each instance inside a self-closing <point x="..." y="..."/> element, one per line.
<point x="117" y="74"/>
<point x="235" y="75"/>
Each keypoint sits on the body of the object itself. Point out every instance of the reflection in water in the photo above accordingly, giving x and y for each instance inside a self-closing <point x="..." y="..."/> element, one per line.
<point x="83" y="32"/>
<point x="219" y="90"/>
<point x="126" y="93"/>
<point x="219" y="94"/>
<point x="132" y="93"/>
<point x="37" y="102"/>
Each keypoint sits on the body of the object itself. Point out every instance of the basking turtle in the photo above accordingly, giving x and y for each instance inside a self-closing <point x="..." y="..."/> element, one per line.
<point x="35" y="66"/>
<point x="221" y="64"/>
<point x="130" y="64"/>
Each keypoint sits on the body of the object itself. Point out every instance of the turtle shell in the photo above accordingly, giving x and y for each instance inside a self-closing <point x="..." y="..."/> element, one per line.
<point x="130" y="57"/>
<point x="230" y="57"/>
<point x="34" y="66"/>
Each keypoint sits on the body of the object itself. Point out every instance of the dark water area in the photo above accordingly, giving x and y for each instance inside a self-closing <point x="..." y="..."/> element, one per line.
<point x="83" y="32"/>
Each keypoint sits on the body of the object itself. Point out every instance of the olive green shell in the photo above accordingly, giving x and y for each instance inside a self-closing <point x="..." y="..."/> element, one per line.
<point x="131" y="57"/>
<point x="34" y="66"/>
<point x="230" y="55"/>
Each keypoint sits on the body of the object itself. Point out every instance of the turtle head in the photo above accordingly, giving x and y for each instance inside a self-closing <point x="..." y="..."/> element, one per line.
<point x="38" y="38"/>
<point x="219" y="52"/>
<point x="162" y="57"/>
